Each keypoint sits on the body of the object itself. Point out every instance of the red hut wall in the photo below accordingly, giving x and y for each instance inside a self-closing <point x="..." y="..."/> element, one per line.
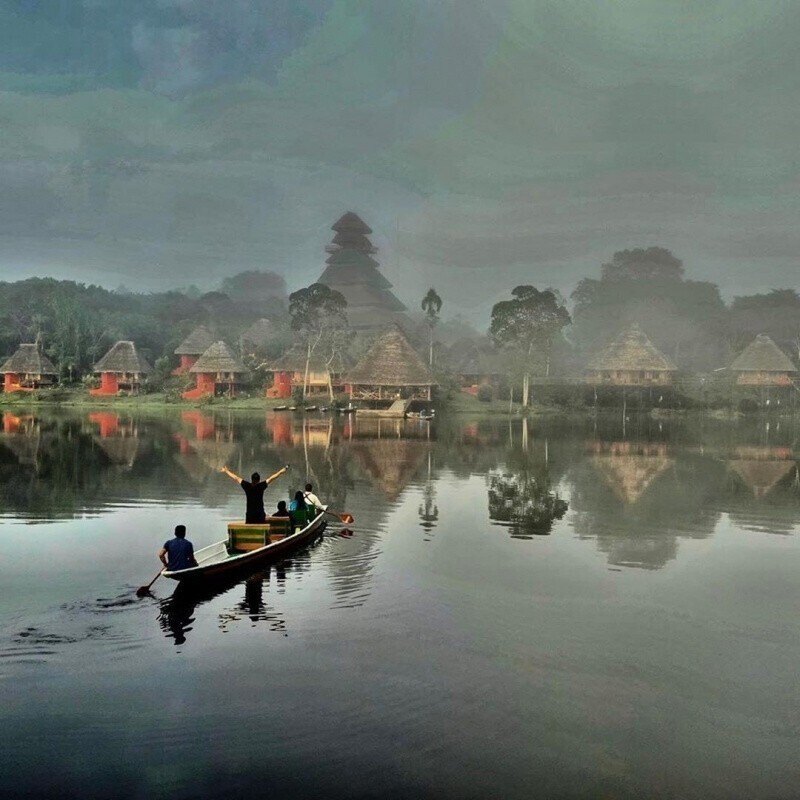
<point x="108" y="384"/>
<point x="281" y="385"/>
<point x="12" y="383"/>
<point x="187" y="362"/>
<point x="206" y="384"/>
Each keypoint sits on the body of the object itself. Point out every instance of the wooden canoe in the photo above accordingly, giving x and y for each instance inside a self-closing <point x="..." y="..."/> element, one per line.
<point x="247" y="546"/>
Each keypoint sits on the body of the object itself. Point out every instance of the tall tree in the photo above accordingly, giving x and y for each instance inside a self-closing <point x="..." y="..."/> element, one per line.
<point x="685" y="319"/>
<point x="318" y="315"/>
<point x="527" y="325"/>
<point x="431" y="305"/>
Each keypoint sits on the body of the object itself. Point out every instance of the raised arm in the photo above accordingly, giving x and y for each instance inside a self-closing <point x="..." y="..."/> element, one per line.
<point x="277" y="474"/>
<point x="232" y="475"/>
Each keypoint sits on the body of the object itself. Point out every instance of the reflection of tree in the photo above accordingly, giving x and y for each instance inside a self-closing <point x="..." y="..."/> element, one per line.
<point x="428" y="509"/>
<point x="526" y="503"/>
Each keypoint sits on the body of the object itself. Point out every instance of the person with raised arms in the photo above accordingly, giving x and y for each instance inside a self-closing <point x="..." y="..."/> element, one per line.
<point x="254" y="492"/>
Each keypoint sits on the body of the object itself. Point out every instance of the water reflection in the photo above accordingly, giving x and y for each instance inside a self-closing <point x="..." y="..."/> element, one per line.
<point x="178" y="613"/>
<point x="635" y="493"/>
<point x="521" y="496"/>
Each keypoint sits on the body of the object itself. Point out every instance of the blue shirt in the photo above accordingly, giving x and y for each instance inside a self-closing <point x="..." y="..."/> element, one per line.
<point x="180" y="554"/>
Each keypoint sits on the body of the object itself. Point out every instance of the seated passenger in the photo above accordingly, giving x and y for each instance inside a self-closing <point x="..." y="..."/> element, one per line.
<point x="282" y="510"/>
<point x="311" y="499"/>
<point x="297" y="510"/>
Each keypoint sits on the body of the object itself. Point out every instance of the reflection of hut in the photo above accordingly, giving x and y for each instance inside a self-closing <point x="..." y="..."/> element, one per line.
<point x="192" y="347"/>
<point x="630" y="467"/>
<point x="218" y="369"/>
<point x="120" y="442"/>
<point x="258" y="336"/>
<point x="762" y="468"/>
<point x="27" y="369"/>
<point x="289" y="372"/>
<point x="22" y="436"/>
<point x="631" y="360"/>
<point x="763" y="363"/>
<point x="389" y="370"/>
<point x="204" y="427"/>
<point x="390" y="463"/>
<point x="122" y="368"/>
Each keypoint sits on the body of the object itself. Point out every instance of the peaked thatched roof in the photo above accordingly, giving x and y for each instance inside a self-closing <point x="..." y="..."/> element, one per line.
<point x="260" y="333"/>
<point x="631" y="350"/>
<point x="123" y="357"/>
<point x="29" y="360"/>
<point x="197" y="342"/>
<point x="350" y="221"/>
<point x="762" y="355"/>
<point x="218" y="358"/>
<point x="294" y="360"/>
<point x="391" y="361"/>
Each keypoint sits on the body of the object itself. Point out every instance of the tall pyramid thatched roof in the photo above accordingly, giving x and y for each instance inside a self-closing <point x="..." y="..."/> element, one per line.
<point x="218" y="358"/>
<point x="197" y="342"/>
<point x="28" y="359"/>
<point x="631" y="350"/>
<point x="350" y="221"/>
<point x="762" y="355"/>
<point x="123" y="357"/>
<point x="391" y="361"/>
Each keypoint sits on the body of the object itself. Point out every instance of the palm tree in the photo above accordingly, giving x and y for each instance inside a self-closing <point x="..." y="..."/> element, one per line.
<point x="431" y="305"/>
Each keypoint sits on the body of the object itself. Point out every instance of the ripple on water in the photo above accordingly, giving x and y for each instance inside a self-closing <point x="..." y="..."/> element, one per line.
<point x="74" y="624"/>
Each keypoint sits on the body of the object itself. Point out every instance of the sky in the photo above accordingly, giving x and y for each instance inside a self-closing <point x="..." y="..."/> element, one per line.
<point x="162" y="143"/>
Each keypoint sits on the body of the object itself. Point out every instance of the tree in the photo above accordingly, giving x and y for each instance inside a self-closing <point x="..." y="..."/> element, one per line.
<point x="431" y="305"/>
<point x="685" y="319"/>
<point x="654" y="263"/>
<point x="318" y="315"/>
<point x="254" y="287"/>
<point x="527" y="325"/>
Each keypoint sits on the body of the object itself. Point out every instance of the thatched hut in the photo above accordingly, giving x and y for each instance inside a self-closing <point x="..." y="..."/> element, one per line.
<point x="218" y="369"/>
<point x="122" y="368"/>
<point x="763" y="363"/>
<point x="631" y="360"/>
<point x="289" y="372"/>
<point x="390" y="370"/>
<point x="192" y="347"/>
<point x="27" y="369"/>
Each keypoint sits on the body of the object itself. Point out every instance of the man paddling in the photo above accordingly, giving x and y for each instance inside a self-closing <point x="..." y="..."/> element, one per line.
<point x="254" y="491"/>
<point x="178" y="553"/>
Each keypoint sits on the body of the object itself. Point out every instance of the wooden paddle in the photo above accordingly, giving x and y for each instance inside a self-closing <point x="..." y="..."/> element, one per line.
<point x="143" y="590"/>
<point x="347" y="519"/>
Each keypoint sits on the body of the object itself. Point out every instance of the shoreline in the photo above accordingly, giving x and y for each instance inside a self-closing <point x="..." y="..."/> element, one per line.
<point x="462" y="405"/>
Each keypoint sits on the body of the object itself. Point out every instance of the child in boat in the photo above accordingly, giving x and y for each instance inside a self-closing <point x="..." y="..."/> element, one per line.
<point x="311" y="499"/>
<point x="282" y="510"/>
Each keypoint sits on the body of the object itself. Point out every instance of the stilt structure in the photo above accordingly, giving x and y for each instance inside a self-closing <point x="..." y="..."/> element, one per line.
<point x="122" y="368"/>
<point x="391" y="370"/>
<point x="217" y="370"/>
<point x="27" y="369"/>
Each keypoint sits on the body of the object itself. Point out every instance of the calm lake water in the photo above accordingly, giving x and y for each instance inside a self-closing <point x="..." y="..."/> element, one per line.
<point x="551" y="610"/>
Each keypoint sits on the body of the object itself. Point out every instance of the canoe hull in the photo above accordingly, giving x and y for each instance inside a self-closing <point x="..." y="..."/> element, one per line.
<point x="242" y="562"/>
